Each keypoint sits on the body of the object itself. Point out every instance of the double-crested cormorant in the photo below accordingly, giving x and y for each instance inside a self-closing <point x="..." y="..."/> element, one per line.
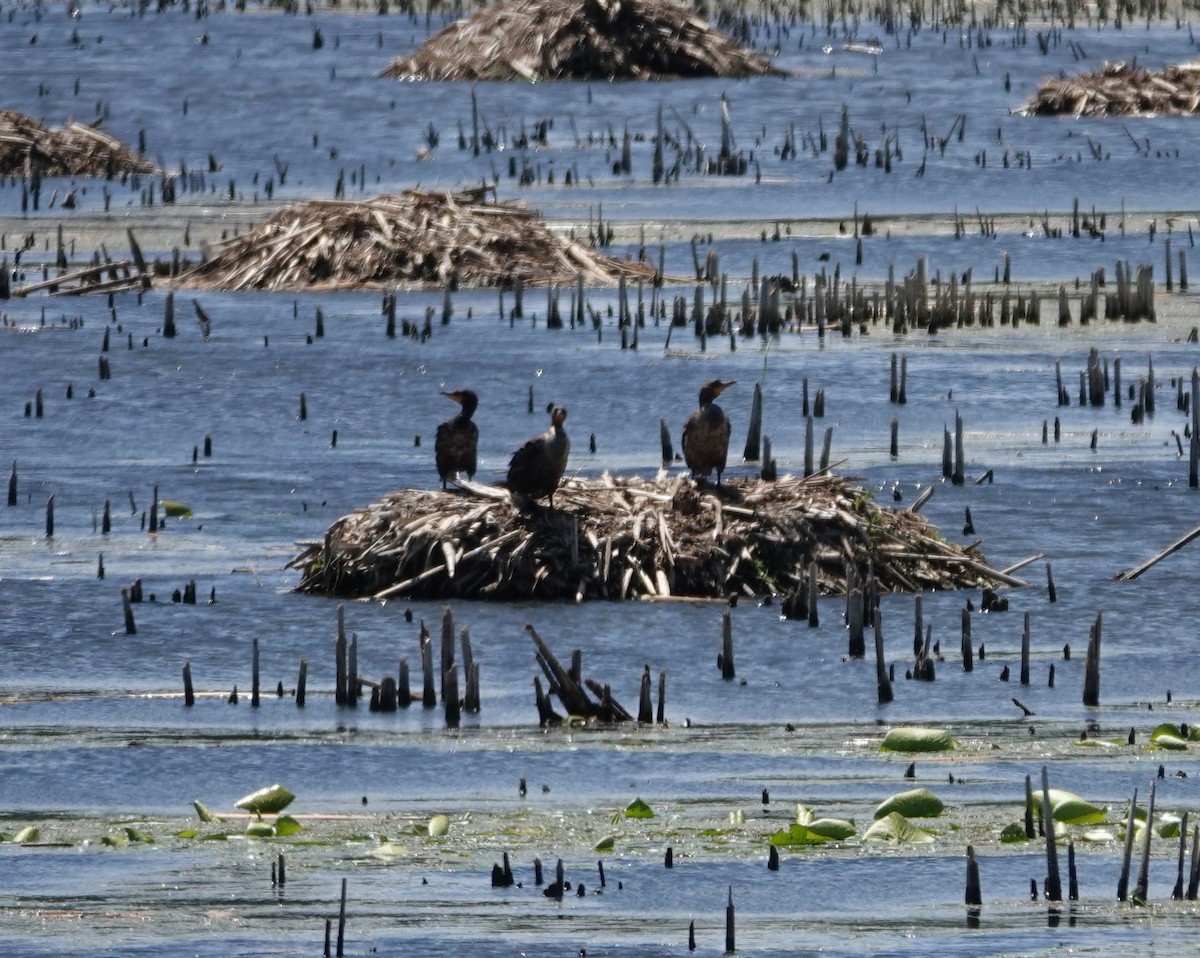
<point x="706" y="432"/>
<point x="537" y="467"/>
<point x="456" y="448"/>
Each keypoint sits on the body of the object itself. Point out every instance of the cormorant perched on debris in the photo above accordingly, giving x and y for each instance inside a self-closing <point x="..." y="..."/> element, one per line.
<point x="706" y="433"/>
<point x="457" y="444"/>
<point x="537" y="467"/>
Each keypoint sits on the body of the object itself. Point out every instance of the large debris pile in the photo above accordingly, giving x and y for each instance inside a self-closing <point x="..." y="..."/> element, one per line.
<point x="629" y="538"/>
<point x="582" y="40"/>
<point x="1120" y="89"/>
<point x="414" y="239"/>
<point x="28" y="148"/>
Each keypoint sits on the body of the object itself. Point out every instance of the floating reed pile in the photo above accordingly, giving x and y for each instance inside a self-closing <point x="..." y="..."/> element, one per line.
<point x="1121" y="89"/>
<point x="589" y="40"/>
<point x="630" y="538"/>
<point x="415" y="238"/>
<point x="28" y="148"/>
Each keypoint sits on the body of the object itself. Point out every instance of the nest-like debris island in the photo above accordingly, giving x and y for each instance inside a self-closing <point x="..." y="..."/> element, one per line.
<point x="26" y="147"/>
<point x="629" y="538"/>
<point x="1121" y="89"/>
<point x="413" y="239"/>
<point x="580" y="40"/>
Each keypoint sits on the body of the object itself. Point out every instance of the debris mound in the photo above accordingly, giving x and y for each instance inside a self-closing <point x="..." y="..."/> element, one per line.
<point x="632" y="538"/>
<point x="416" y="238"/>
<point x="1121" y="89"/>
<point x="573" y="40"/>
<point x="27" y="147"/>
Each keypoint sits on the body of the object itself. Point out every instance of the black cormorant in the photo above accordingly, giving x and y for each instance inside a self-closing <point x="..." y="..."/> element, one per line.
<point x="537" y="467"/>
<point x="457" y="445"/>
<point x="706" y="432"/>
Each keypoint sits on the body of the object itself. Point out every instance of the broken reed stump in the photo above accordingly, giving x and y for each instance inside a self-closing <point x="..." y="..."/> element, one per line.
<point x="414" y="239"/>
<point x="593" y="40"/>
<point x="635" y="538"/>
<point x="572" y="690"/>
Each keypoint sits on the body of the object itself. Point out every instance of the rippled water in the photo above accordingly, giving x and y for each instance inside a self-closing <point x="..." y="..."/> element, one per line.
<point x="94" y="732"/>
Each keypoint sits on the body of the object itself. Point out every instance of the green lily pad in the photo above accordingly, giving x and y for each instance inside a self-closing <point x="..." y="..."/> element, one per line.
<point x="30" y="833"/>
<point x="1098" y="835"/>
<point x="260" y="829"/>
<point x="917" y="803"/>
<point x="833" y="829"/>
<point x="204" y="813"/>
<point x="438" y="826"/>
<point x="1069" y="808"/>
<point x="795" y="834"/>
<point x="175" y="509"/>
<point x="1012" y="833"/>
<point x="135" y="834"/>
<point x="266" y="801"/>
<point x="897" y="829"/>
<point x="1169" y="736"/>
<point x="114" y="841"/>
<point x="606" y="844"/>
<point x="1168" y="826"/>
<point x="914" y="738"/>
<point x="286" y="825"/>
<point x="638" y="809"/>
<point x="188" y="833"/>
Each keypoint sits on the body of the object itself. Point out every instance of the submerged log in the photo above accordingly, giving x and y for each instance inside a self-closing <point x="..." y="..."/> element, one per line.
<point x="634" y="538"/>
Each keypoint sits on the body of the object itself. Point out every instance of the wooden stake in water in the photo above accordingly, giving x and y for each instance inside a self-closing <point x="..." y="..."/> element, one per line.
<point x="957" y="478"/>
<point x="1127" y="855"/>
<point x="1177" y="891"/>
<point x="341" y="931"/>
<point x="189" y="695"/>
<point x="1053" y="883"/>
<point x="1091" y="671"/>
<point x="645" y="705"/>
<point x="301" y="682"/>
<point x="339" y="657"/>
<point x="127" y="606"/>
<point x="730" y="947"/>
<point x="882" y="681"/>
<point x="974" y="896"/>
<point x="752" y="451"/>
<point x="254" y="672"/>
<point x="1025" y="652"/>
<point x="1142" y="888"/>
<point x="447" y="646"/>
<point x="727" y="669"/>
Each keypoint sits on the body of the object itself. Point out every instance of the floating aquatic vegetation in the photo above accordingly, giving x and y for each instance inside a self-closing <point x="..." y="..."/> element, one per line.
<point x="916" y="803"/>
<point x="1068" y="808"/>
<point x="638" y="809"/>
<point x="913" y="738"/>
<point x="266" y="801"/>
<point x="897" y="829"/>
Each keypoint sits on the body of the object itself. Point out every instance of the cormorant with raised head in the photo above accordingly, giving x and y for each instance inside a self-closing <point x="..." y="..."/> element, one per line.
<point x="706" y="432"/>
<point x="457" y="444"/>
<point x="538" y="466"/>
